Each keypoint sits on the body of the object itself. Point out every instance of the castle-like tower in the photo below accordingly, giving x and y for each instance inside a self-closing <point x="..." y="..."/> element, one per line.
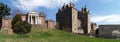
<point x="70" y="19"/>
<point x="84" y="16"/>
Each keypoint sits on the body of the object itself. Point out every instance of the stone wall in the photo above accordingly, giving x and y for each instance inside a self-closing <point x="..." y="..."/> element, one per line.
<point x="84" y="16"/>
<point x="106" y="30"/>
<point x="70" y="19"/>
<point x="50" y="24"/>
<point x="64" y="19"/>
<point x="75" y="21"/>
<point x="42" y="19"/>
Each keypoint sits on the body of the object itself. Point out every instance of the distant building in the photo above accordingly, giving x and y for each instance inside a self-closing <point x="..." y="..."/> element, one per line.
<point x="94" y="28"/>
<point x="50" y="24"/>
<point x="37" y="20"/>
<point x="6" y="24"/>
<point x="68" y="18"/>
<point x="106" y="30"/>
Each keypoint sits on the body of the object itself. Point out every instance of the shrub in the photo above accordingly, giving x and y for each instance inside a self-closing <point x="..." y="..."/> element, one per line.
<point x="22" y="27"/>
<point x="116" y="33"/>
<point x="16" y="19"/>
<point x="19" y="26"/>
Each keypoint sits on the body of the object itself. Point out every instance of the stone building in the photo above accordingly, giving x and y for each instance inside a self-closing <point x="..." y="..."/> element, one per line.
<point x="68" y="18"/>
<point x="34" y="18"/>
<point x="106" y="30"/>
<point x="84" y="17"/>
<point x="94" y="26"/>
<point x="37" y="20"/>
<point x="93" y="30"/>
<point x="6" y="24"/>
<point x="50" y="24"/>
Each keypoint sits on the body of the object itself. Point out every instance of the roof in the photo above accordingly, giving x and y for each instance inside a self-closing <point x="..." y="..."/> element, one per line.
<point x="34" y="13"/>
<point x="110" y="25"/>
<point x="6" y="18"/>
<point x="23" y="14"/>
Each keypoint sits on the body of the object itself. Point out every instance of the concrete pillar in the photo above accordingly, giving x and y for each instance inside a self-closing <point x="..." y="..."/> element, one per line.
<point x="40" y="20"/>
<point x="31" y="19"/>
<point x="28" y="19"/>
<point x="36" y="20"/>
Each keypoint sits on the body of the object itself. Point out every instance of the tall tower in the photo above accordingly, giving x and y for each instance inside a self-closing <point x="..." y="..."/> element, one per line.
<point x="67" y="18"/>
<point x="85" y="20"/>
<point x="64" y="19"/>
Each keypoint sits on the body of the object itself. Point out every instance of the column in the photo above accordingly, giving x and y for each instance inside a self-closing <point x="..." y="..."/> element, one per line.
<point x="38" y="20"/>
<point x="31" y="19"/>
<point x="28" y="19"/>
<point x="35" y="19"/>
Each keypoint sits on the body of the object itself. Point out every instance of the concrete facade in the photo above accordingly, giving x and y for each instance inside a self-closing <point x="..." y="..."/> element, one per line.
<point x="36" y="19"/>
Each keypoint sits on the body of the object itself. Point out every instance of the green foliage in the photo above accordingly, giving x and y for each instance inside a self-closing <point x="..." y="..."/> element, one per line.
<point x="22" y="27"/>
<point x="16" y="19"/>
<point x="4" y="10"/>
<point x="19" y="26"/>
<point x="50" y="35"/>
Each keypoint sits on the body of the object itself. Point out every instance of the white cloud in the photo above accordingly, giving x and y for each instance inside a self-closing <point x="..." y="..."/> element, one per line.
<point x="107" y="0"/>
<point x="103" y="1"/>
<point x="109" y="19"/>
<point x="34" y="4"/>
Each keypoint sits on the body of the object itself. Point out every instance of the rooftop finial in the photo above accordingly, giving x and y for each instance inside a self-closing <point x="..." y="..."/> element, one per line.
<point x="85" y="9"/>
<point x="85" y="6"/>
<point x="64" y="3"/>
<point x="71" y="4"/>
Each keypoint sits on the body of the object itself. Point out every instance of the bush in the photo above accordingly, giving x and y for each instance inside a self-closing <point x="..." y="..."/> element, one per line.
<point x="22" y="27"/>
<point x="116" y="34"/>
<point x="16" y="19"/>
<point x="19" y="26"/>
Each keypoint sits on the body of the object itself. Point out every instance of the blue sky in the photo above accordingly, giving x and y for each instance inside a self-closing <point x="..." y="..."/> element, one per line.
<point x="102" y="11"/>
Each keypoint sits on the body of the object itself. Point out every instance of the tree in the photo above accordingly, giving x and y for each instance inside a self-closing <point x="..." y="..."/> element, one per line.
<point x="116" y="34"/>
<point x="4" y="11"/>
<point x="22" y="27"/>
<point x="19" y="26"/>
<point x="16" y="19"/>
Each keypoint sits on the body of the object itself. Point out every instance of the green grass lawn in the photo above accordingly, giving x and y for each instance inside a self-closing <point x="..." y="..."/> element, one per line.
<point x="50" y="35"/>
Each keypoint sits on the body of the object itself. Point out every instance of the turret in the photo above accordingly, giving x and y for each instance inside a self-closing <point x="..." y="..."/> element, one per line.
<point x="85" y="10"/>
<point x="85" y="19"/>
